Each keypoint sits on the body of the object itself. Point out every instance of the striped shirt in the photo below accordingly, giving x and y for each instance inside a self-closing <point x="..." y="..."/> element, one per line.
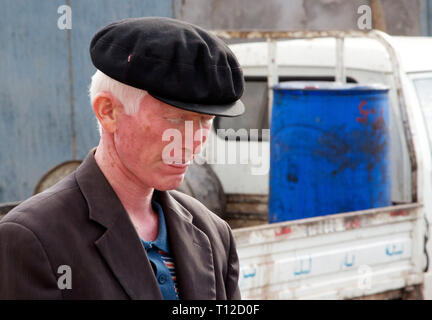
<point x="169" y="263"/>
<point x="162" y="262"/>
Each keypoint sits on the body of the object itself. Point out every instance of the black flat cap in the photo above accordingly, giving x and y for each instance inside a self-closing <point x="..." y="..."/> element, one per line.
<point x="175" y="62"/>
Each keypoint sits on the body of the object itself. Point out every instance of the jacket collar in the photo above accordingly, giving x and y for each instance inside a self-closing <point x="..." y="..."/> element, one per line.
<point x="122" y="249"/>
<point x="98" y="193"/>
<point x="119" y="245"/>
<point x="191" y="249"/>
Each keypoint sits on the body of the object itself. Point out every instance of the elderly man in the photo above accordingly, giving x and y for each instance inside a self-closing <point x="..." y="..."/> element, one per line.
<point x="111" y="229"/>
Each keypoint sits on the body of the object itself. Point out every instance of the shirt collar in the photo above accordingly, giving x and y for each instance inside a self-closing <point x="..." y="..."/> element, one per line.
<point x="162" y="239"/>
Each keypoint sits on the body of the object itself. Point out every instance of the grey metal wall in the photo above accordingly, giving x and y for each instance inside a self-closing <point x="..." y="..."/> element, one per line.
<point x="45" y="114"/>
<point x="403" y="16"/>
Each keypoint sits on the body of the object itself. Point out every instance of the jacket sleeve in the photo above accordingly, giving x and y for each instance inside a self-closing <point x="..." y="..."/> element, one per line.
<point x="25" y="271"/>
<point x="232" y="277"/>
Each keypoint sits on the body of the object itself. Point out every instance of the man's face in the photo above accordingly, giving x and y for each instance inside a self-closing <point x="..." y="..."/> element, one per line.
<point x="140" y="144"/>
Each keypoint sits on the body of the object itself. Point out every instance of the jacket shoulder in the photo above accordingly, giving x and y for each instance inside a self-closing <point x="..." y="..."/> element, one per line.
<point x="60" y="199"/>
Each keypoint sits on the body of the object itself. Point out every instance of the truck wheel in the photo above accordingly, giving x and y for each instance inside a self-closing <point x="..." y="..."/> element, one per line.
<point x="201" y="183"/>
<point x="55" y="174"/>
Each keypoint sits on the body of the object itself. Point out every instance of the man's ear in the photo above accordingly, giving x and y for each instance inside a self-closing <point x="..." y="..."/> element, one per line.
<point x="106" y="108"/>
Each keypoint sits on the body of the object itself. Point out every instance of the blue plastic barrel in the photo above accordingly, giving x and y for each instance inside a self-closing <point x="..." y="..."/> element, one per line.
<point x="329" y="149"/>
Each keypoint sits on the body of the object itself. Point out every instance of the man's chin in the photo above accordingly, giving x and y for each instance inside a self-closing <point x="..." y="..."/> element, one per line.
<point x="172" y="184"/>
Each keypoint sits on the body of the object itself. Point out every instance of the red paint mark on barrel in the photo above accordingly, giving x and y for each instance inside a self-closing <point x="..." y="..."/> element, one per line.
<point x="364" y="113"/>
<point x="282" y="231"/>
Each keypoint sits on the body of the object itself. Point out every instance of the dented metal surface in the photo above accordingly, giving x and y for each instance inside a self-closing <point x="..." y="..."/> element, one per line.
<point x="327" y="224"/>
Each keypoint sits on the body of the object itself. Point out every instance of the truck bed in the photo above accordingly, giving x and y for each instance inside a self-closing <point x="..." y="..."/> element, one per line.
<point x="340" y="256"/>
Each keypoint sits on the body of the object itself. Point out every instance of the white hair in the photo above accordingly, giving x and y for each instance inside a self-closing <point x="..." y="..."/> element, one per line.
<point x="128" y="96"/>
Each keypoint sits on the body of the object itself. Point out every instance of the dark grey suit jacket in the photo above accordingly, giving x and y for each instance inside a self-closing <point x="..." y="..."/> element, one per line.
<point x="81" y="223"/>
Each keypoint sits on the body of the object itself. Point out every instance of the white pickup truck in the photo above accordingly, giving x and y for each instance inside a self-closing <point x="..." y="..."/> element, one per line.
<point x="378" y="253"/>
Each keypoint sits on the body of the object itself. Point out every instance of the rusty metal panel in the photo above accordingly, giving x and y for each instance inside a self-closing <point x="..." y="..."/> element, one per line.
<point x="290" y="34"/>
<point x="336" y="257"/>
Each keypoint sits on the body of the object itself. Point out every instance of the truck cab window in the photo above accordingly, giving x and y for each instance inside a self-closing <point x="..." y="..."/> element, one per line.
<point x="256" y="113"/>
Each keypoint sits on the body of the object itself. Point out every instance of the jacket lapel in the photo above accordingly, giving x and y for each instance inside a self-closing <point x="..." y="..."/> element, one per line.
<point x="191" y="250"/>
<point x="127" y="259"/>
<point x="119" y="245"/>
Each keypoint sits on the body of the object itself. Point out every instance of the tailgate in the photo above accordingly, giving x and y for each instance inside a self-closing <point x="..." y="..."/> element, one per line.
<point x="338" y="256"/>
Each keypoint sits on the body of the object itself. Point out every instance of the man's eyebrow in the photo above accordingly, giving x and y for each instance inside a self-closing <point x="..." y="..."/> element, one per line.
<point x="172" y="114"/>
<point x="169" y="111"/>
